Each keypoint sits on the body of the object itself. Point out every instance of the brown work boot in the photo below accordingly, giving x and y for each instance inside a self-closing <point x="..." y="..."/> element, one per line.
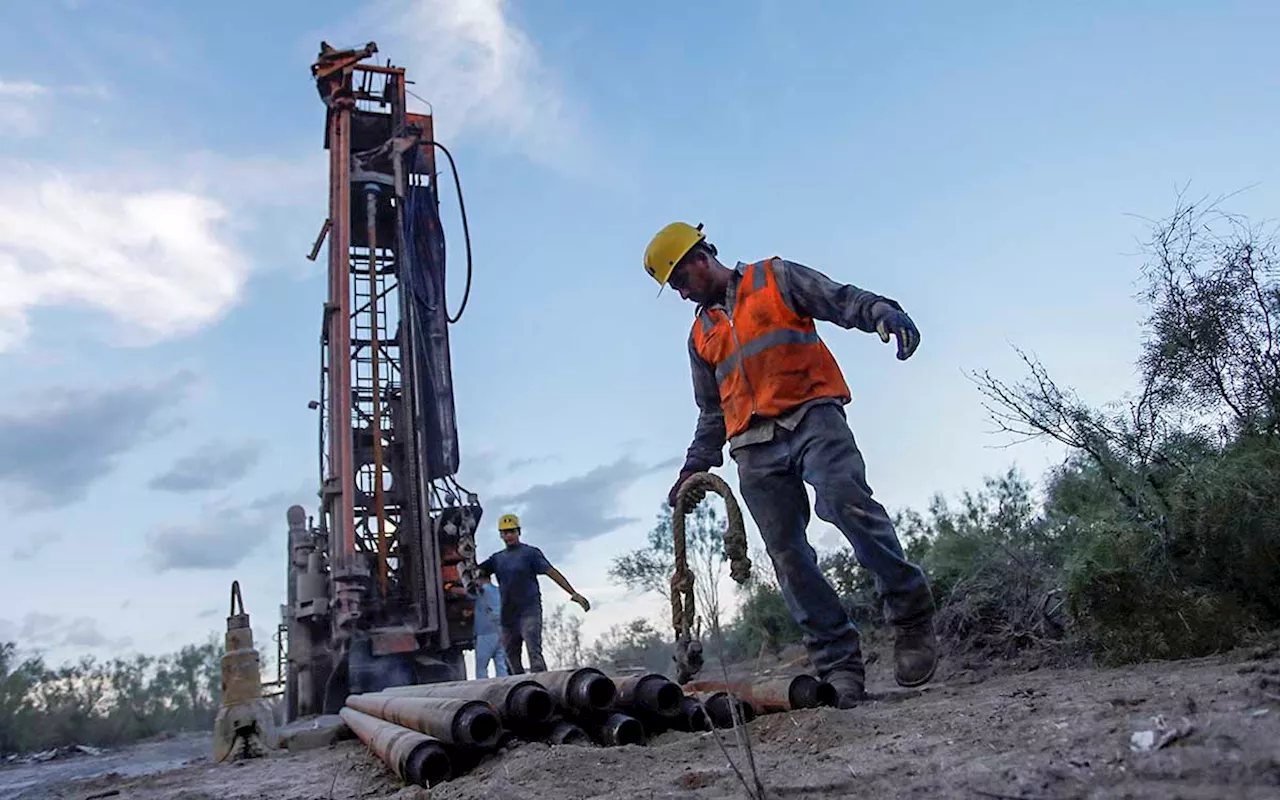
<point x="850" y="687"/>
<point x="915" y="653"/>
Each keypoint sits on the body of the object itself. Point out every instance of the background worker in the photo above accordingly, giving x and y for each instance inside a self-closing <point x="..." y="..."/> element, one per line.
<point x="764" y="381"/>
<point x="488" y="629"/>
<point x="518" y="566"/>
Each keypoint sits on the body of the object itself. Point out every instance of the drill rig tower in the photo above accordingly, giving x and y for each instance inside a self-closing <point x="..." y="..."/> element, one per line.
<point x="379" y="591"/>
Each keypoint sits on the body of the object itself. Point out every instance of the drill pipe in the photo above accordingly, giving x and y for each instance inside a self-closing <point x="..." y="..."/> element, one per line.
<point x="585" y="689"/>
<point x="518" y="699"/>
<point x="461" y="722"/>
<point x="691" y="717"/>
<point x="719" y="706"/>
<point x="772" y="695"/>
<point x="414" y="757"/>
<point x="652" y="693"/>
<point x="569" y="734"/>
<point x="557" y="730"/>
<point x="612" y="728"/>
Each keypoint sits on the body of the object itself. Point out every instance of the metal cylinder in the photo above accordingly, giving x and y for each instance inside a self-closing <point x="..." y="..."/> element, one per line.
<point x="613" y="729"/>
<point x="720" y="707"/>
<point x="566" y="733"/>
<point x="241" y="667"/>
<point x="462" y="722"/>
<point x="808" y="692"/>
<point x="692" y="717"/>
<point x="652" y="693"/>
<point x="771" y="695"/>
<point x="413" y="756"/>
<point x="585" y="689"/>
<point x="517" y="698"/>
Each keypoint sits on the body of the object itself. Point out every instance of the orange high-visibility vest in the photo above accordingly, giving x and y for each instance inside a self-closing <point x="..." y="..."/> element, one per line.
<point x="768" y="359"/>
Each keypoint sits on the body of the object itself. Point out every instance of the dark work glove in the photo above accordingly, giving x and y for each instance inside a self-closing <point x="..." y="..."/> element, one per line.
<point x="671" y="496"/>
<point x="896" y="322"/>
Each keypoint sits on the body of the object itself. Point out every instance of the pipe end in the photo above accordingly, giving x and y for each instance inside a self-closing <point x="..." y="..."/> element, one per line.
<point x="666" y="698"/>
<point x="626" y="730"/>
<point x="477" y="725"/>
<point x="803" y="691"/>
<point x="568" y="734"/>
<point x="531" y="702"/>
<point x="429" y="764"/>
<point x="696" y="719"/>
<point x="595" y="692"/>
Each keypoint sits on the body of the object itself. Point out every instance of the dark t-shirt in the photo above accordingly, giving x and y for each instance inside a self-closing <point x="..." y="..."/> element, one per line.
<point x="517" y="569"/>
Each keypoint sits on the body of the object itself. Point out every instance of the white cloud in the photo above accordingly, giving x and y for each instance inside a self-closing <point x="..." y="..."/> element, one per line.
<point x="222" y="536"/>
<point x="26" y="106"/>
<point x="481" y="73"/>
<point x="21" y="107"/>
<point x="153" y="258"/>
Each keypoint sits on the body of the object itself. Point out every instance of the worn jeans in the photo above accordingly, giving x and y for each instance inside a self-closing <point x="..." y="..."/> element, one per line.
<point x="489" y="648"/>
<point x="527" y="630"/>
<point x="821" y="451"/>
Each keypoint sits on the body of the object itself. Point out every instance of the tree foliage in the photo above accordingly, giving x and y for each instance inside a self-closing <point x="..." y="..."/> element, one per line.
<point x="632" y="645"/>
<point x="562" y="638"/>
<point x="649" y="568"/>
<point x="106" y="703"/>
<point x="1166" y="517"/>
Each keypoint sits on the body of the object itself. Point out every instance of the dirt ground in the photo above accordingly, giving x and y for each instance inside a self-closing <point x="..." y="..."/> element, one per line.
<point x="1212" y="727"/>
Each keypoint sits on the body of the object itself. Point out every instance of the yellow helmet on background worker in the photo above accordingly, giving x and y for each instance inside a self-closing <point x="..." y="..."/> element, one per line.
<point x="508" y="522"/>
<point x="668" y="246"/>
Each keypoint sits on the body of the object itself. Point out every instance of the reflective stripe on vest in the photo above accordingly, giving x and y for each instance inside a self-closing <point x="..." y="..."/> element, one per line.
<point x="768" y="359"/>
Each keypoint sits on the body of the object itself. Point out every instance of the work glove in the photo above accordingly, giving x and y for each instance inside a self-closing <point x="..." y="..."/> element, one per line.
<point x="684" y="476"/>
<point x="582" y="601"/>
<point x="896" y="322"/>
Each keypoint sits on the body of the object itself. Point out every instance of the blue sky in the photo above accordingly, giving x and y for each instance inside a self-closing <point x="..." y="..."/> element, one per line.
<point x="162" y="177"/>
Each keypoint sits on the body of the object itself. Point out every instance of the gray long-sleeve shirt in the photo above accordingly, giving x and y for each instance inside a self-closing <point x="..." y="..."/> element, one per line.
<point x="808" y="293"/>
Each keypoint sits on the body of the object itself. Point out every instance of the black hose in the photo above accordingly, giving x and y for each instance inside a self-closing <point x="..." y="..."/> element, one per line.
<point x="466" y="233"/>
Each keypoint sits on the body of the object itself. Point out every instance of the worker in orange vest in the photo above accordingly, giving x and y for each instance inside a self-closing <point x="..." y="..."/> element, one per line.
<point x="765" y="383"/>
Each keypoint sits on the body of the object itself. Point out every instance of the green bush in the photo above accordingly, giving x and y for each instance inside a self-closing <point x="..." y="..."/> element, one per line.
<point x="1199" y="584"/>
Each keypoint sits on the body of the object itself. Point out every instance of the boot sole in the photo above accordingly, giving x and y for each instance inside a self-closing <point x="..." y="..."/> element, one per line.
<point x="922" y="681"/>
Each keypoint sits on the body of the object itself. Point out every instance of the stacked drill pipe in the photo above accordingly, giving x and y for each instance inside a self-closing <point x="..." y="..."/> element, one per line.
<point x="520" y="701"/>
<point x="430" y="732"/>
<point x="590" y="700"/>
<point x="424" y="740"/>
<point x="653" y="700"/>
<point x="465" y="723"/>
<point x="414" y="757"/>
<point x="578" y="690"/>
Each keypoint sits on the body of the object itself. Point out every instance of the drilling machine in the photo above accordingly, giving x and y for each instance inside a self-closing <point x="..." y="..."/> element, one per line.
<point x="380" y="586"/>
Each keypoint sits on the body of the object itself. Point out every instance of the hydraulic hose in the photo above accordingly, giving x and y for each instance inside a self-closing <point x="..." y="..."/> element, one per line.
<point x="466" y="232"/>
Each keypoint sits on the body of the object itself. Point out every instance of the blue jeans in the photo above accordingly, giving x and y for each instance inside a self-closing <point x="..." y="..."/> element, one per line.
<point x="489" y="648"/>
<point x="821" y="451"/>
<point x="527" y="630"/>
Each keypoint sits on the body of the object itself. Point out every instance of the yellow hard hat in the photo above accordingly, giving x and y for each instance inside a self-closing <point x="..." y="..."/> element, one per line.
<point x="668" y="246"/>
<point x="508" y="522"/>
